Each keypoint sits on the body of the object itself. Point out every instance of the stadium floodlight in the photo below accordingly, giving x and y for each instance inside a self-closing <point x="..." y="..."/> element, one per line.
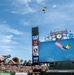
<point x="35" y="31"/>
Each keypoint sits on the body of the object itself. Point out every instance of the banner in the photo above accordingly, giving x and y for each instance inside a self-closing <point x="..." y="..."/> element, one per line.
<point x="6" y="73"/>
<point x="35" y="42"/>
<point x="20" y="73"/>
<point x="35" y="50"/>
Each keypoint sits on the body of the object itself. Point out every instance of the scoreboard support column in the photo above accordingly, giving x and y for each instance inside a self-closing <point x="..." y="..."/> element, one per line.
<point x="35" y="42"/>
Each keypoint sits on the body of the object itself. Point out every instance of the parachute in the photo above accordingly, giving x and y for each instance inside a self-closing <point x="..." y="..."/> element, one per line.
<point x="43" y="9"/>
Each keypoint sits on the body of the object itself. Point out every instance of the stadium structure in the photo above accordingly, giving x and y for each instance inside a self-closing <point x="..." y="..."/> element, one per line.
<point x="57" y="50"/>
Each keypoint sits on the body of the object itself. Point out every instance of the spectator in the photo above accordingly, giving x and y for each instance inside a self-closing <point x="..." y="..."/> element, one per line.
<point x="1" y="58"/>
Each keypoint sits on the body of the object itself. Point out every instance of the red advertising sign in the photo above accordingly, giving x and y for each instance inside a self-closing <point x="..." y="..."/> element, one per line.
<point x="35" y="42"/>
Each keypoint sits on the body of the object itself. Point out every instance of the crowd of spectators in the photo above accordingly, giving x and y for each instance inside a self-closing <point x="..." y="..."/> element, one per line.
<point x="15" y="66"/>
<point x="21" y="68"/>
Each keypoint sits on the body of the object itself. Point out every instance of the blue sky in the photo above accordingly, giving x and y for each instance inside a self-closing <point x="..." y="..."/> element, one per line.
<point x="17" y="17"/>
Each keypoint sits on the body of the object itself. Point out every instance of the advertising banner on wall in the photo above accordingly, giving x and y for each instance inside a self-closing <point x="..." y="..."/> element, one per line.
<point x="35" y="59"/>
<point x="20" y="73"/>
<point x="35" y="50"/>
<point x="6" y="73"/>
<point x="35" y="42"/>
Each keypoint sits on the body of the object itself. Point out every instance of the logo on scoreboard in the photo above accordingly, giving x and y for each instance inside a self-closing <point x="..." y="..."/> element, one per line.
<point x="35" y="50"/>
<point x="35" y="42"/>
<point x="35" y="59"/>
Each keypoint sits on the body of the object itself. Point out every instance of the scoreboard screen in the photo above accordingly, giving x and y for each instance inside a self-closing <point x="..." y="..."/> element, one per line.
<point x="58" y="50"/>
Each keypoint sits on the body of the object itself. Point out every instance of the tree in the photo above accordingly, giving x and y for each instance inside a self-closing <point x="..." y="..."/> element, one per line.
<point x="25" y="62"/>
<point x="21" y="61"/>
<point x="29" y="62"/>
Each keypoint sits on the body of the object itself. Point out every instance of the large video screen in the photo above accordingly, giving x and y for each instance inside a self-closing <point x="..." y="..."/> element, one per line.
<point x="58" y="50"/>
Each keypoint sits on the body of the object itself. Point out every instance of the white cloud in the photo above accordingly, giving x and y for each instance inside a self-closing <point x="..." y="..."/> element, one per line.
<point x="9" y="50"/>
<point x="5" y="47"/>
<point x="15" y="31"/>
<point x="4" y="28"/>
<point x="24" y="23"/>
<point x="39" y="1"/>
<point x="56" y="17"/>
<point x="23" y="10"/>
<point x="23" y="1"/>
<point x="7" y="42"/>
<point x="15" y="12"/>
<point x="22" y="7"/>
<point x="54" y="6"/>
<point x="6" y="38"/>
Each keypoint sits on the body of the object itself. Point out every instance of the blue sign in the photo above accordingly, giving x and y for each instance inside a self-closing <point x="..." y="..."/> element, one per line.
<point x="58" y="50"/>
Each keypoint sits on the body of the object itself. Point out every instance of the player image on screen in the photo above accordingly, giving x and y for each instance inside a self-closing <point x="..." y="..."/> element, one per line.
<point x="62" y="47"/>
